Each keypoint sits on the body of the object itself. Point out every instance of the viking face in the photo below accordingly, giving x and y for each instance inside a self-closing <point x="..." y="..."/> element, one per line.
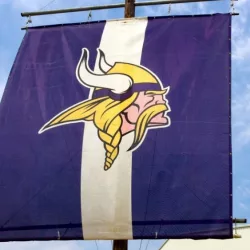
<point x="126" y="98"/>
<point x="142" y="103"/>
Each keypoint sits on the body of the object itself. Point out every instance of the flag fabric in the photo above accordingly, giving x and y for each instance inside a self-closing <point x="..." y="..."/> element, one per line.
<point x="119" y="130"/>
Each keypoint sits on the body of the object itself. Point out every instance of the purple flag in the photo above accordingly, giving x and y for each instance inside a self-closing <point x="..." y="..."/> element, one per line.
<point x="119" y="130"/>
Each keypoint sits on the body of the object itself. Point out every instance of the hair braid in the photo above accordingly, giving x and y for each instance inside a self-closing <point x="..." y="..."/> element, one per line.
<point x="106" y="115"/>
<point x="111" y="139"/>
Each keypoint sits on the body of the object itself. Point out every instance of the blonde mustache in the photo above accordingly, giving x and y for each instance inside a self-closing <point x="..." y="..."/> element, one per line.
<point x="143" y="121"/>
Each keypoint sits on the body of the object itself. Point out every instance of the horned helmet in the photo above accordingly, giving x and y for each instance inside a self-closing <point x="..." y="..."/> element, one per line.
<point x="118" y="81"/>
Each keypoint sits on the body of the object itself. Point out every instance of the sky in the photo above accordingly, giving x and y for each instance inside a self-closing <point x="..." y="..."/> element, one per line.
<point x="11" y="37"/>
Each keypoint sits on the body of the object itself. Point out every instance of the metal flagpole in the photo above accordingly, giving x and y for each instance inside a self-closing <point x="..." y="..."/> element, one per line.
<point x="129" y="8"/>
<point x="120" y="244"/>
<point x="128" y="13"/>
<point x="110" y="6"/>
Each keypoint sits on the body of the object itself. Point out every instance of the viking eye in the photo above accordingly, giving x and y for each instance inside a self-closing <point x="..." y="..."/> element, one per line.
<point x="152" y="98"/>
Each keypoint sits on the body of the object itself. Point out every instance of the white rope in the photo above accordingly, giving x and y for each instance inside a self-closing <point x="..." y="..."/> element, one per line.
<point x="140" y="245"/>
<point x="96" y="245"/>
<point x="29" y="21"/>
<point x="147" y="245"/>
<point x="49" y="3"/>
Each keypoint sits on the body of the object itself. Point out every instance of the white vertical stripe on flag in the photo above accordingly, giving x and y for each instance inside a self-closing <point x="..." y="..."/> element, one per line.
<point x="106" y="196"/>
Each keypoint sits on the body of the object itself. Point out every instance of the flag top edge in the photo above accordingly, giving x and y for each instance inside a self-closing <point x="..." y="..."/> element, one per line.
<point x="124" y="19"/>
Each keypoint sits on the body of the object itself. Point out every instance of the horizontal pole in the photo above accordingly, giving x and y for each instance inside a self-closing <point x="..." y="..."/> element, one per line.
<point x="110" y="6"/>
<point x="239" y="220"/>
<point x="44" y="26"/>
<point x="237" y="236"/>
<point x="136" y="223"/>
<point x="138" y="4"/>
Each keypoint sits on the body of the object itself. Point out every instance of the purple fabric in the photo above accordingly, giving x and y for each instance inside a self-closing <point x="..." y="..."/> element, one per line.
<point x="40" y="175"/>
<point x="121" y="97"/>
<point x="184" y="170"/>
<point x="181" y="175"/>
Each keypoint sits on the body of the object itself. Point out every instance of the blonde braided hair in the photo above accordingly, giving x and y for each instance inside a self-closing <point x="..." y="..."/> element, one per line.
<point x="106" y="115"/>
<point x="108" y="120"/>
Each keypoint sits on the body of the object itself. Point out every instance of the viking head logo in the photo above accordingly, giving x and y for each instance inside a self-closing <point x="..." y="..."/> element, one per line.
<point x="126" y="98"/>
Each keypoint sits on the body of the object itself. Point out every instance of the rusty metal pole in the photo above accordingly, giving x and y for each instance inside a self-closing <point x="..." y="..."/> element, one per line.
<point x="128" y="13"/>
<point x="129" y="8"/>
<point x="120" y="245"/>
